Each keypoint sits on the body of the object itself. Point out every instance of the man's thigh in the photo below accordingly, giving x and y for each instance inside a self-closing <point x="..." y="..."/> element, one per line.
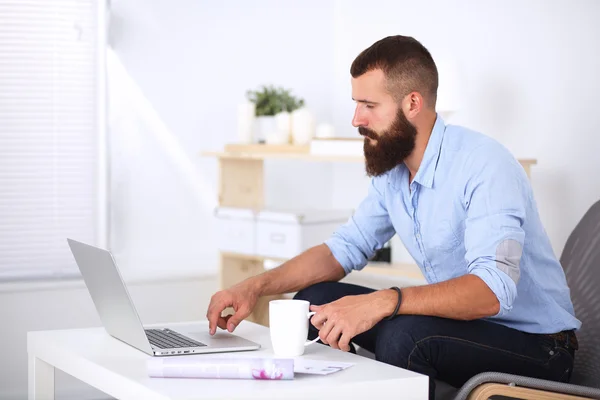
<point x="454" y="351"/>
<point x="326" y="292"/>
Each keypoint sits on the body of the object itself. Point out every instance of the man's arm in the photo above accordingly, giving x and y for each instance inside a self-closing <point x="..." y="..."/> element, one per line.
<point x="338" y="322"/>
<point x="348" y="248"/>
<point x="496" y="195"/>
<point x="463" y="298"/>
<point x="315" y="265"/>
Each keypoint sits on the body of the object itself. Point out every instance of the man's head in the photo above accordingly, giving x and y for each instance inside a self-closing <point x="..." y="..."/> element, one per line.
<point x="393" y="82"/>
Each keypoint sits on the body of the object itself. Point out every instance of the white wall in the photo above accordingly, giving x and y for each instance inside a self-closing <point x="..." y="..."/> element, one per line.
<point x="529" y="79"/>
<point x="193" y="63"/>
<point x="527" y="74"/>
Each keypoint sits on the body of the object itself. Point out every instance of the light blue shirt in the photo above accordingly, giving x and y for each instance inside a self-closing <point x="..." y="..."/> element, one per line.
<point x="469" y="210"/>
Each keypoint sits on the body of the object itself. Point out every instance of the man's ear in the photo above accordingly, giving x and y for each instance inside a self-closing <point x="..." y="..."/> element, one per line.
<point x="412" y="104"/>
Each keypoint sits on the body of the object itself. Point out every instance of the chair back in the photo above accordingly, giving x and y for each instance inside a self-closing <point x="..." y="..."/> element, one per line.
<point x="581" y="262"/>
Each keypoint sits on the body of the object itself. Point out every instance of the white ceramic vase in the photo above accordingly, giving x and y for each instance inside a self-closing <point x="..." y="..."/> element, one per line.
<point x="281" y="135"/>
<point x="303" y="126"/>
<point x="265" y="127"/>
<point x="245" y="122"/>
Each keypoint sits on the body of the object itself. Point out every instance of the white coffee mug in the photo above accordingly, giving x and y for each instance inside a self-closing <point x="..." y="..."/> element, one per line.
<point x="288" y="324"/>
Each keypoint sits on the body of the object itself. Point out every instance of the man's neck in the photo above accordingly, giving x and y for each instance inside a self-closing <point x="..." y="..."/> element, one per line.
<point x="424" y="128"/>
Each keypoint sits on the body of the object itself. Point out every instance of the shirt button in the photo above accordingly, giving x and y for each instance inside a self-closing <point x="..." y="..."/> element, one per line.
<point x="419" y="236"/>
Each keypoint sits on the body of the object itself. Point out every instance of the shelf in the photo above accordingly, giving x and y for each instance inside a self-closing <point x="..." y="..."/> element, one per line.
<point x="250" y="257"/>
<point x="300" y="153"/>
<point x="400" y="270"/>
<point x="405" y="270"/>
<point x="283" y="156"/>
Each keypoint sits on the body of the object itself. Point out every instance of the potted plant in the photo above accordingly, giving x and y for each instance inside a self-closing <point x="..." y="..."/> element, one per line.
<point x="273" y="106"/>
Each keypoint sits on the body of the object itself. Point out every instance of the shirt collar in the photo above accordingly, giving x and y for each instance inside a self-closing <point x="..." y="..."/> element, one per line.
<point x="426" y="171"/>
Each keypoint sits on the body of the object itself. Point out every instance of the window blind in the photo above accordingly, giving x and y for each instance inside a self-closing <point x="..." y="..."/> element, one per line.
<point x="52" y="122"/>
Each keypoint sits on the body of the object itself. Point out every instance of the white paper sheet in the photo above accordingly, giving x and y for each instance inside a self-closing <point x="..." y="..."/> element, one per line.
<point x="318" y="367"/>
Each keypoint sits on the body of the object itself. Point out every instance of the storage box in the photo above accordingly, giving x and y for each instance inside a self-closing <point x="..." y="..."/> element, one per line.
<point x="285" y="234"/>
<point x="236" y="230"/>
<point x="280" y="234"/>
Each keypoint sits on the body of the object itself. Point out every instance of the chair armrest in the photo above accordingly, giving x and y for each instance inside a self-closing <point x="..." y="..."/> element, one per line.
<point x="533" y="383"/>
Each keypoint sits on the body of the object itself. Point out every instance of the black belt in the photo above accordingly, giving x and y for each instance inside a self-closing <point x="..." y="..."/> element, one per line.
<point x="568" y="339"/>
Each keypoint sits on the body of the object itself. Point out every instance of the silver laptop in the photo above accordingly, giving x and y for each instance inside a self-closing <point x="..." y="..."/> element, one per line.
<point x="121" y="320"/>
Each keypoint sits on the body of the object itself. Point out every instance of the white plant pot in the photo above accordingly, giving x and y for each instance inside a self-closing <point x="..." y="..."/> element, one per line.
<point x="265" y="127"/>
<point x="303" y="126"/>
<point x="282" y="129"/>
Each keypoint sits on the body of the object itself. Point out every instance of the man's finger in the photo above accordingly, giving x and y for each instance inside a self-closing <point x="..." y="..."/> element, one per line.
<point x="236" y="318"/>
<point x="211" y="321"/>
<point x="315" y="308"/>
<point x="334" y="337"/>
<point x="214" y="313"/>
<point x="344" y="343"/>
<point x="325" y="330"/>
<point x="318" y="319"/>
<point x="222" y="322"/>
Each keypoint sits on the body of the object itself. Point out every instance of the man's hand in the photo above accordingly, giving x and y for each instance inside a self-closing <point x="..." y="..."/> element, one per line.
<point x="241" y="297"/>
<point x="339" y="321"/>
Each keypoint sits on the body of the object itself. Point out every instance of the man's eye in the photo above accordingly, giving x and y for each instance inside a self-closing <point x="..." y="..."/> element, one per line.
<point x="370" y="106"/>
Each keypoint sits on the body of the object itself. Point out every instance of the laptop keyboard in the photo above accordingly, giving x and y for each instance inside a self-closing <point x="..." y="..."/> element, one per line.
<point x="168" y="339"/>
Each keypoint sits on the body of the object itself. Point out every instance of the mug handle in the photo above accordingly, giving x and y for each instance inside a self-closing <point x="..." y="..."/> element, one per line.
<point x="309" y="342"/>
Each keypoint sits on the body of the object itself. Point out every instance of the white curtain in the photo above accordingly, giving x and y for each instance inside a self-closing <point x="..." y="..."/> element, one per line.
<point x="52" y="134"/>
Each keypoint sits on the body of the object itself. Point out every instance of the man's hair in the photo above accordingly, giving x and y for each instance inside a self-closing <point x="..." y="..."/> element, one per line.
<point x="406" y="63"/>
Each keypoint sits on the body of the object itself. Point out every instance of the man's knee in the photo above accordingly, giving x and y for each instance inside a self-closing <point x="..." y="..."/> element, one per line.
<point x="317" y="294"/>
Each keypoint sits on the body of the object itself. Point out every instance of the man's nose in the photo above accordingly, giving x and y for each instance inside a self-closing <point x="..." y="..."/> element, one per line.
<point x="358" y="119"/>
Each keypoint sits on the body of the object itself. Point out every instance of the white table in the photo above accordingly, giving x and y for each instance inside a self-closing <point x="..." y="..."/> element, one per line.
<point x="119" y="370"/>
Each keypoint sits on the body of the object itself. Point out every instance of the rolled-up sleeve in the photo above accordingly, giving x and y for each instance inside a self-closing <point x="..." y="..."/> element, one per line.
<point x="355" y="242"/>
<point x="495" y="200"/>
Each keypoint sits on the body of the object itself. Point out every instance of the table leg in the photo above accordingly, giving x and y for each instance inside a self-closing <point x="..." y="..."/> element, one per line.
<point x="41" y="379"/>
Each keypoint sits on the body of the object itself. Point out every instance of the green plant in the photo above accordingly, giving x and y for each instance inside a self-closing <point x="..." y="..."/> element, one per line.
<point x="270" y="100"/>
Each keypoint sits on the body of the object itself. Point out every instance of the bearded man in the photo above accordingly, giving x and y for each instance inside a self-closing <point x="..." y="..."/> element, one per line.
<point x="496" y="299"/>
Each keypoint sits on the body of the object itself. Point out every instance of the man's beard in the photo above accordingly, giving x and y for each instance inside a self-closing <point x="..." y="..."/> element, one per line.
<point x="391" y="147"/>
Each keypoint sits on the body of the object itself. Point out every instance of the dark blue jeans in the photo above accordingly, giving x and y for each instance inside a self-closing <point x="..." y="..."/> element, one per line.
<point x="450" y="350"/>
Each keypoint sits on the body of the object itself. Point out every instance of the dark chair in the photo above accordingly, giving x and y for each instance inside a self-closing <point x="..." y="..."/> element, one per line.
<point x="581" y="262"/>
